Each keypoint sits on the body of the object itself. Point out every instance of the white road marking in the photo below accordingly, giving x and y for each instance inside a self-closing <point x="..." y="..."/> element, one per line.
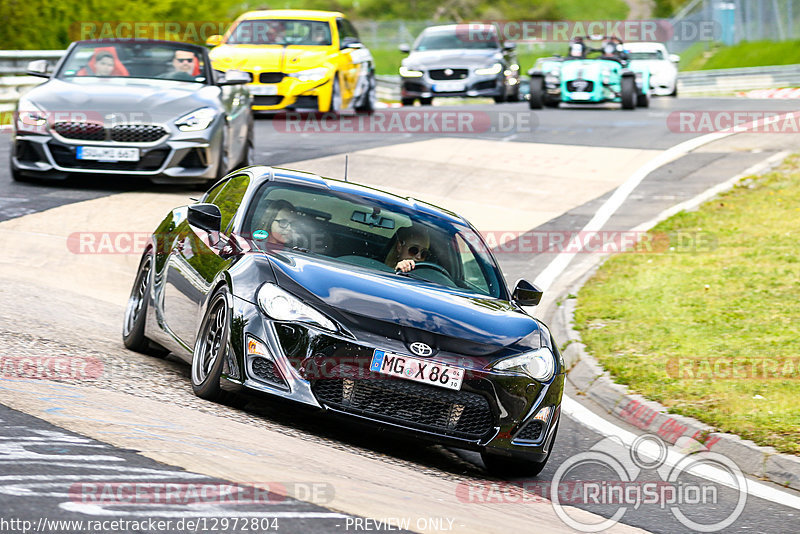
<point x="573" y="408"/>
<point x="604" y="427"/>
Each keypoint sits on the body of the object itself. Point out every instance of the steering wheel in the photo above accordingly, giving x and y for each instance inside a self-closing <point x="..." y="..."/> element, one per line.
<point x="434" y="266"/>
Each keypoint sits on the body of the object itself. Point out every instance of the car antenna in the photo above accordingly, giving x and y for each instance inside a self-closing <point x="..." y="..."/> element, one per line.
<point x="346" y="156"/>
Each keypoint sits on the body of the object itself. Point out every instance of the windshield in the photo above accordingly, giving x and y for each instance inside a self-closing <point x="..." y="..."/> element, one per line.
<point x="453" y="39"/>
<point x="282" y="32"/>
<point x="656" y="54"/>
<point x="370" y="234"/>
<point x="135" y="59"/>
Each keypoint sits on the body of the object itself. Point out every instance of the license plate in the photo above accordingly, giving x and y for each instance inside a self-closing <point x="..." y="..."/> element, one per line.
<point x="263" y="90"/>
<point x="107" y="153"/>
<point x="580" y="96"/>
<point x="410" y="368"/>
<point x="449" y="87"/>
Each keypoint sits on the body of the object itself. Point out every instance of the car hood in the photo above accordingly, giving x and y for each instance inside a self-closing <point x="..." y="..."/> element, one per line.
<point x="372" y="300"/>
<point x="268" y="58"/>
<point x="144" y="100"/>
<point x="432" y="59"/>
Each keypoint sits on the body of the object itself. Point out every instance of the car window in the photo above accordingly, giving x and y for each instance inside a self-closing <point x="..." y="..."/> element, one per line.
<point x="135" y="59"/>
<point x="284" y="32"/>
<point x="455" y="39"/>
<point x="346" y="30"/>
<point x="230" y="197"/>
<point x="371" y="233"/>
<point x="654" y="54"/>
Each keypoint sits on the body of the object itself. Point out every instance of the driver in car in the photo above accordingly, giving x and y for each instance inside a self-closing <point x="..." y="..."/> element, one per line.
<point x="183" y="65"/>
<point x="411" y="244"/>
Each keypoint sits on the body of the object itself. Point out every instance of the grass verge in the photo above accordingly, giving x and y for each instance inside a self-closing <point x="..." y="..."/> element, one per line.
<point x="701" y="56"/>
<point x="711" y="331"/>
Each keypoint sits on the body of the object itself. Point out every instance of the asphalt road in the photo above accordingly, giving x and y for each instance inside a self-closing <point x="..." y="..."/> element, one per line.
<point x="669" y="185"/>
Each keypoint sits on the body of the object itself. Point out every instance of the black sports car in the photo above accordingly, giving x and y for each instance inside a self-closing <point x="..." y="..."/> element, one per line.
<point x="286" y="283"/>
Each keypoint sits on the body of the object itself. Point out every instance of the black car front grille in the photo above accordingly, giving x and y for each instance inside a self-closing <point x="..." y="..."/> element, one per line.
<point x="580" y="86"/>
<point x="137" y="133"/>
<point x="458" y="414"/>
<point x="448" y="74"/>
<point x="531" y="432"/>
<point x="122" y="133"/>
<point x="86" y="131"/>
<point x="271" y="77"/>
<point x="260" y="100"/>
<point x="265" y="370"/>
<point x="151" y="160"/>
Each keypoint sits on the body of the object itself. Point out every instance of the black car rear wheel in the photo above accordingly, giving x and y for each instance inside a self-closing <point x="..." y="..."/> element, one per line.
<point x="426" y="101"/>
<point x="136" y="312"/>
<point x="512" y="467"/>
<point x="211" y="348"/>
<point x="407" y="101"/>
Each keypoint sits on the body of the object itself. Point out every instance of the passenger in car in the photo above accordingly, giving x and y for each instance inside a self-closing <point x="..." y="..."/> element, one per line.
<point x="104" y="62"/>
<point x="279" y="221"/>
<point x="410" y="245"/>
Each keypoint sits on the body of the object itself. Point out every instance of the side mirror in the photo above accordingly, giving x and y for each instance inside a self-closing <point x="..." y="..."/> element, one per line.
<point x="214" y="40"/>
<point x="674" y="58"/>
<point x="404" y="48"/>
<point x="38" y="68"/>
<point x="510" y="46"/>
<point x="235" y="77"/>
<point x="349" y="42"/>
<point x="205" y="216"/>
<point x="526" y="294"/>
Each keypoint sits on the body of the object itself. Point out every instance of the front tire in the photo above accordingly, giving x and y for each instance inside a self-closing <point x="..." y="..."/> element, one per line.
<point x="133" y="326"/>
<point x="427" y="101"/>
<point x="642" y="100"/>
<point x="211" y="348"/>
<point x="248" y="156"/>
<point x="336" y="96"/>
<point x="514" y="468"/>
<point x="407" y="102"/>
<point x="536" y="100"/>
<point x="628" y="92"/>
<point x="370" y="100"/>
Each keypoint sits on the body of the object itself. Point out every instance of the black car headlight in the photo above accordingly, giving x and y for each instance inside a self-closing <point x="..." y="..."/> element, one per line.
<point x="283" y="306"/>
<point x="539" y="364"/>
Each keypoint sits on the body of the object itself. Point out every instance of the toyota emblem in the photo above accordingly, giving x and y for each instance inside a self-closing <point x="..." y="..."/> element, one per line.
<point x="421" y="349"/>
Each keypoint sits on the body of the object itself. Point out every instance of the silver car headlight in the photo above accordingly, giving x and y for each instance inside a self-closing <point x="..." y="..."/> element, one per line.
<point x="29" y="115"/>
<point x="410" y="73"/>
<point x="283" y="306"/>
<point x="310" y="75"/>
<point x="490" y="71"/>
<point x="197" y="120"/>
<point x="539" y="364"/>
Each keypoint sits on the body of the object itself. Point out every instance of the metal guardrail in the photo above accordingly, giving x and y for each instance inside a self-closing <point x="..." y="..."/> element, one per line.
<point x="13" y="83"/>
<point x="729" y="81"/>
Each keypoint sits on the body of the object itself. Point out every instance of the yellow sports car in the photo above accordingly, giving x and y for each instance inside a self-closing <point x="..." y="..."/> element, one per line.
<point x="299" y="59"/>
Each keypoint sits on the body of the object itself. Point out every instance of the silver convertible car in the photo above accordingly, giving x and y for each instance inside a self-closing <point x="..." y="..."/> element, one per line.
<point x="137" y="107"/>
